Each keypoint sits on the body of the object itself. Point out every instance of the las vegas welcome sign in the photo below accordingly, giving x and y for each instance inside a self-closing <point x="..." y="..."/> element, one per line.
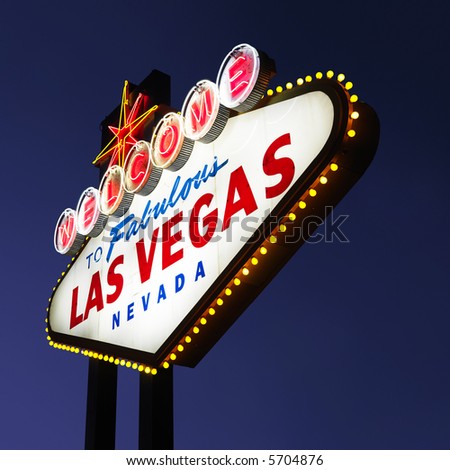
<point x="199" y="209"/>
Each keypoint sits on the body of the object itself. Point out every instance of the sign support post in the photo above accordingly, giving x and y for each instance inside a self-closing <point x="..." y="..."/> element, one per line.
<point x="101" y="406"/>
<point x="156" y="411"/>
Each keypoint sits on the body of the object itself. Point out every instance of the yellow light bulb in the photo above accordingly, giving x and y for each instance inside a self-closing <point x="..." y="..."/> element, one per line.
<point x="180" y="348"/>
<point x="147" y="370"/>
<point x="354" y="115"/>
<point x="203" y="321"/>
<point x="117" y="362"/>
<point x="188" y="339"/>
<point x="245" y="272"/>
<point x="282" y="228"/>
<point x="341" y="77"/>
<point x="128" y="364"/>
<point x="323" y="180"/>
<point x="348" y="85"/>
<point x="237" y="281"/>
<point x="263" y="250"/>
<point x="269" y="92"/>
<point x="134" y="366"/>
<point x="292" y="216"/>
<point x="272" y="239"/>
<point x="279" y="89"/>
<point x="319" y="75"/>
<point x="196" y="330"/>
<point x="312" y="192"/>
<point x="254" y="261"/>
<point x="302" y="204"/>
<point x="173" y="356"/>
<point x="122" y="362"/>
<point x="154" y="371"/>
<point x="140" y="368"/>
<point x="166" y="365"/>
<point x="354" y="98"/>
<point x="228" y="291"/>
<point x="211" y="311"/>
<point x="351" y="133"/>
<point x="300" y="81"/>
<point x="289" y="86"/>
<point x="330" y="74"/>
<point x="308" y="78"/>
<point x="219" y="301"/>
<point x="334" y="167"/>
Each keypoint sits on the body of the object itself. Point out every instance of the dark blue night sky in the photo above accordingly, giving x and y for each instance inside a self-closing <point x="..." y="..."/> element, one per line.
<point x="348" y="347"/>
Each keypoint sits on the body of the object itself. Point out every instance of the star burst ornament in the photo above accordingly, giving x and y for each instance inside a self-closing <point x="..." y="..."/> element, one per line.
<point x="130" y="122"/>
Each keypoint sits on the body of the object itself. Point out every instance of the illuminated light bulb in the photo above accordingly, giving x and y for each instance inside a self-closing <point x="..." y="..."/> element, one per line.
<point x="180" y="348"/>
<point x="51" y="343"/>
<point x="323" y="180"/>
<point x="289" y="86"/>
<point x="90" y="354"/>
<point x="128" y="364"/>
<point x="48" y="338"/>
<point x="308" y="78"/>
<point x="173" y="356"/>
<point x="269" y="92"/>
<point x="334" y="167"/>
<point x="302" y="204"/>
<point x="166" y="365"/>
<point x="279" y="89"/>
<point x="330" y="74"/>
<point x="59" y="280"/>
<point x="245" y="272"/>
<point x="117" y="362"/>
<point x="237" y="281"/>
<point x="312" y="192"/>
<point x="282" y="228"/>
<point x="95" y="355"/>
<point x="147" y="370"/>
<point x="154" y="371"/>
<point x="219" y="301"/>
<point x="354" y="98"/>
<point x="211" y="311"/>
<point x="348" y="85"/>
<point x="122" y="362"/>
<point x="351" y="133"/>
<point x="134" y="366"/>
<point x="140" y="368"/>
<point x="196" y="330"/>
<point x="263" y="250"/>
<point x="54" y="288"/>
<point x="300" y="81"/>
<point x="272" y="239"/>
<point x="188" y="339"/>
<point x="203" y="321"/>
<point x="228" y="291"/>
<point x="254" y="261"/>
<point x="111" y="359"/>
<point x="341" y="77"/>
<point x="106" y="358"/>
<point x="63" y="274"/>
<point x="292" y="217"/>
<point x="319" y="75"/>
<point x="354" y="115"/>
<point x="77" y="351"/>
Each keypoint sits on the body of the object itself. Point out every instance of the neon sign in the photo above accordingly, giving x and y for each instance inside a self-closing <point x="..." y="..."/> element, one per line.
<point x="204" y="213"/>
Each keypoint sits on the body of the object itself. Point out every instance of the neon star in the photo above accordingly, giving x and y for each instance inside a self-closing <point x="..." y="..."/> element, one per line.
<point x="124" y="135"/>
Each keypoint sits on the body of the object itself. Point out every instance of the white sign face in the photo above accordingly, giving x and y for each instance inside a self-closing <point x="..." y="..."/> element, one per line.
<point x="134" y="284"/>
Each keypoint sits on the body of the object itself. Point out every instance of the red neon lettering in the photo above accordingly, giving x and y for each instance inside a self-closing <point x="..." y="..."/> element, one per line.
<point x="169" y="239"/>
<point x="145" y="261"/>
<point x="65" y="230"/>
<point x="115" y="280"/>
<point x="111" y="193"/>
<point x="246" y="201"/>
<point x="74" y="318"/>
<point x="278" y="166"/>
<point x="201" y="109"/>
<point x="210" y="221"/>
<point x="95" y="296"/>
<point x="238" y="75"/>
<point x="168" y="141"/>
<point x="138" y="168"/>
<point x="88" y="210"/>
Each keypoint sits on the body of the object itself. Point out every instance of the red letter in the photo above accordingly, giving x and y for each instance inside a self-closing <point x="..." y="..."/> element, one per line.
<point x="115" y="279"/>
<point x="95" y="296"/>
<point x="278" y="166"/>
<point x="198" y="240"/>
<point x="169" y="239"/>
<point x="74" y="318"/>
<point x="239" y="75"/>
<point x="146" y="262"/>
<point x="246" y="200"/>
<point x="201" y="109"/>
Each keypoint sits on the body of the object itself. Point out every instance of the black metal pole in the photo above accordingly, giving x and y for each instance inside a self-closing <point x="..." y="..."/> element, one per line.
<point x="101" y="406"/>
<point x="156" y="410"/>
